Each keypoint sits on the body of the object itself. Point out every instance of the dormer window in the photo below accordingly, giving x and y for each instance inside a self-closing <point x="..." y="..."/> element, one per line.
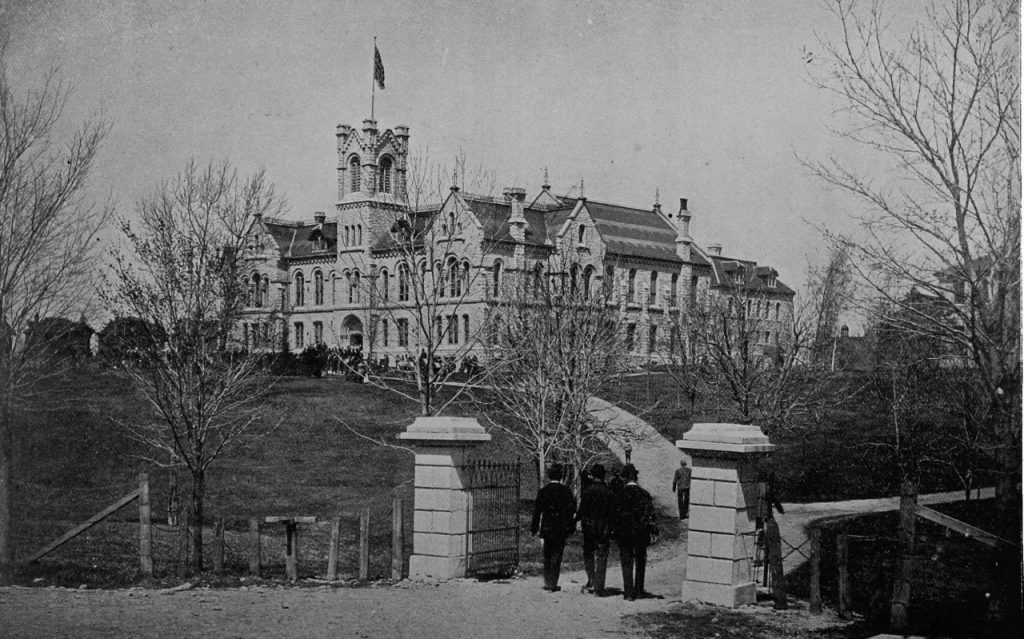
<point x="355" y="168"/>
<point x="319" y="243"/>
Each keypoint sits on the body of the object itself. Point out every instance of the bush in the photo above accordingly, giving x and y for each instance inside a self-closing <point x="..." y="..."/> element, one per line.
<point x="313" y="360"/>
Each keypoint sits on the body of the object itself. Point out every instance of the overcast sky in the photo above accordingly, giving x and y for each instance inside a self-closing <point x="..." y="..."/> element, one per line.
<point x="705" y="100"/>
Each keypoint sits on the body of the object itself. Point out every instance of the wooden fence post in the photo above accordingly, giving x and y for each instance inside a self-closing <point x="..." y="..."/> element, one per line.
<point x="183" y="545"/>
<point x="255" y="547"/>
<point x="145" y="528"/>
<point x="332" y="557"/>
<point x="397" y="538"/>
<point x="815" y="571"/>
<point x="842" y="559"/>
<point x="900" y="601"/>
<point x="218" y="547"/>
<point x="291" y="551"/>
<point x="364" y="545"/>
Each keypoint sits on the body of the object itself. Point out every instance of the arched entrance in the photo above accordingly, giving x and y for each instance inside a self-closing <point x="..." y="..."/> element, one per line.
<point x="352" y="331"/>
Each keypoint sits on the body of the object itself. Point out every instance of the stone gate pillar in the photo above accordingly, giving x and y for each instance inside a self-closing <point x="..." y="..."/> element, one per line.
<point x="723" y="510"/>
<point x="443" y="445"/>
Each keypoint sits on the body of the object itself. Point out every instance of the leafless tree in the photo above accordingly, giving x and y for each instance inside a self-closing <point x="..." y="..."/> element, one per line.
<point x="48" y="238"/>
<point x="438" y="248"/>
<point x="183" y="275"/>
<point x="939" y="106"/>
<point x="553" y="340"/>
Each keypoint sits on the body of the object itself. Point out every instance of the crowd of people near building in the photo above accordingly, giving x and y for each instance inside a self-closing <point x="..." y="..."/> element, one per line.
<point x="611" y="508"/>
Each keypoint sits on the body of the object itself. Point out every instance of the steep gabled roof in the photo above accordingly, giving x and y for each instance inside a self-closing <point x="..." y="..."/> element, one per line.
<point x="730" y="271"/>
<point x="633" y="232"/>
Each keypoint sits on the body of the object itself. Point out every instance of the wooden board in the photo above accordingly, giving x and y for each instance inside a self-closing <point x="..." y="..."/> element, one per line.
<point x="275" y="519"/>
<point x="92" y="521"/>
<point x="966" y="530"/>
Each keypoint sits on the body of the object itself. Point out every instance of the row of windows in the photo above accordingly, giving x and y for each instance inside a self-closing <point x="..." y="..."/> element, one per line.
<point x="385" y="169"/>
<point x="352" y="235"/>
<point x="300" y="334"/>
<point x="763" y="337"/>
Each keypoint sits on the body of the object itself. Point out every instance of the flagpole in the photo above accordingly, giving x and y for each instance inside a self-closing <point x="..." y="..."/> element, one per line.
<point x="373" y="78"/>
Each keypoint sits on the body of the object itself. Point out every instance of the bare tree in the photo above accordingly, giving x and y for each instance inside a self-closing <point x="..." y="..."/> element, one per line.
<point x="435" y="252"/>
<point x="183" y="277"/>
<point x="553" y="340"/>
<point x="47" y="242"/>
<point x="939" y="105"/>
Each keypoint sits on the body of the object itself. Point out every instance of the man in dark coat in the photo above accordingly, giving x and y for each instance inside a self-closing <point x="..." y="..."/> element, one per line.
<point x="681" y="487"/>
<point x="553" y="519"/>
<point x="595" y="514"/>
<point x="636" y="529"/>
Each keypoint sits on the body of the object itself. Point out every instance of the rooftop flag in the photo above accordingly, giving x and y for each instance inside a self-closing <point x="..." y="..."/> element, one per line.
<point x="378" y="68"/>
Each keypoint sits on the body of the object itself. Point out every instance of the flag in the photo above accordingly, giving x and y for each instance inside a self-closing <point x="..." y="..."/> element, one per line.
<point x="378" y="68"/>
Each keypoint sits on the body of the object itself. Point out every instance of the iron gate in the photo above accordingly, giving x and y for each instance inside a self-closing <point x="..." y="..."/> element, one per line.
<point x="492" y="513"/>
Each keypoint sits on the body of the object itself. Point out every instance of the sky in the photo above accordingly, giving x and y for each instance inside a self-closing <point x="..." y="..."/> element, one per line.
<point x="711" y="101"/>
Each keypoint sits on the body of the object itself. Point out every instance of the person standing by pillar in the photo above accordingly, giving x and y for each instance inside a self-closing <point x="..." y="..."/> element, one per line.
<point x="636" y="529"/>
<point x="681" y="487"/>
<point x="595" y="515"/>
<point x="554" y="521"/>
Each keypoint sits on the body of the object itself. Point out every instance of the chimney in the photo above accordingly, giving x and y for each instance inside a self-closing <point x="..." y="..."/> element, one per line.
<point x="319" y="217"/>
<point x="715" y="249"/>
<point x="516" y="219"/>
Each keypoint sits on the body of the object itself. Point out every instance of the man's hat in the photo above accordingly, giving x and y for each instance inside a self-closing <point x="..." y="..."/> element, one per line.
<point x="629" y="473"/>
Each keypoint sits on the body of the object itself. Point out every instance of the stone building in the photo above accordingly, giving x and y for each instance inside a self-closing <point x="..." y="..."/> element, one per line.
<point x="331" y="279"/>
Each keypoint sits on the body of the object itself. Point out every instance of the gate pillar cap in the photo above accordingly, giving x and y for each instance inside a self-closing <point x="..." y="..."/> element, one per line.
<point x="726" y="438"/>
<point x="445" y="430"/>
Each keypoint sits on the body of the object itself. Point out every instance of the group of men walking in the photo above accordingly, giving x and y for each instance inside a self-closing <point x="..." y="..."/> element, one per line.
<point x="623" y="512"/>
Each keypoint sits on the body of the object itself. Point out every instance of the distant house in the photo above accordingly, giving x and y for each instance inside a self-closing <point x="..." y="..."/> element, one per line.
<point x="307" y="279"/>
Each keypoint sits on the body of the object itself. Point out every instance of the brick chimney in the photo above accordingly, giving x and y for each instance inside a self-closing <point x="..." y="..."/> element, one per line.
<point x="516" y="220"/>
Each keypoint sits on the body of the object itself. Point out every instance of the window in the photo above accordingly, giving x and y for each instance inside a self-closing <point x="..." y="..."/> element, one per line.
<point x="385" y="285"/>
<point x="588" y="278"/>
<point x="334" y="289"/>
<point x="318" y="288"/>
<point x="300" y="289"/>
<point x="495" y="330"/>
<point x="318" y="332"/>
<point x="609" y="280"/>
<point x="673" y="340"/>
<point x="265" y="291"/>
<point x="384" y="332"/>
<point x="300" y="336"/>
<point x="359" y="234"/>
<point x="254" y="291"/>
<point x="465" y="327"/>
<point x="777" y="310"/>
<point x="652" y="293"/>
<point x="440" y="328"/>
<point x="496" y="279"/>
<point x="284" y="297"/>
<point x="403" y="331"/>
<point x="403" y="283"/>
<point x="693" y="292"/>
<point x="245" y="335"/>
<point x="356" y="170"/>
<point x="630" y="336"/>
<point x="673" y="299"/>
<point x="454" y="279"/>
<point x="583" y="234"/>
<point x="538" y="274"/>
<point x="453" y="329"/>
<point x="574" y="277"/>
<point x="384" y="174"/>
<point x="652" y="339"/>
<point x="353" y="288"/>
<point x="631" y="290"/>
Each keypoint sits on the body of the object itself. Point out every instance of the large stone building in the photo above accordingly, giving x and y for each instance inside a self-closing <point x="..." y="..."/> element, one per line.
<point x="310" y="281"/>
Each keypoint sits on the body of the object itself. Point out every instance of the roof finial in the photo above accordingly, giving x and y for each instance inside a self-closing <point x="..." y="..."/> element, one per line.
<point x="657" y="196"/>
<point x="455" y="178"/>
<point x="547" y="183"/>
<point x="583" y="193"/>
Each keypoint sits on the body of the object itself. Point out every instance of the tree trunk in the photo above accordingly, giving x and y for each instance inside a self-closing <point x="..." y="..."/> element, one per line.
<point x="6" y="459"/>
<point x="196" y="520"/>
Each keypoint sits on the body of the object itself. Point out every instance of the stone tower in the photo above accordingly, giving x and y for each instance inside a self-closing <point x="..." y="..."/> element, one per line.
<point x="371" y="179"/>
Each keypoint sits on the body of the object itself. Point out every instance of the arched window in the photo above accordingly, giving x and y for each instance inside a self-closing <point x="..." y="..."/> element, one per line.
<point x="583" y="233"/>
<point x="777" y="305"/>
<point x="674" y="293"/>
<point x="359" y="234"/>
<point x="496" y="278"/>
<point x="318" y="287"/>
<point x="574" y="277"/>
<point x="355" y="168"/>
<point x="403" y="283"/>
<point x="384" y="174"/>
<point x="652" y="293"/>
<point x="631" y="290"/>
<point x="300" y="289"/>
<point x="609" y="280"/>
<point x="334" y="288"/>
<point x="265" y="291"/>
<point x="538" y="275"/>
<point x="588" y="278"/>
<point x="347" y="242"/>
<point x="451" y="223"/>
<point x="254" y="290"/>
<point x="385" y="284"/>
<point x="353" y="288"/>
<point x="454" y="278"/>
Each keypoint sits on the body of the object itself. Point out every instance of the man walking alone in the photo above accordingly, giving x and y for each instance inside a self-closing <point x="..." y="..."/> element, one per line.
<point x="553" y="519"/>
<point x="595" y="514"/>
<point x="681" y="487"/>
<point x="637" y="528"/>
